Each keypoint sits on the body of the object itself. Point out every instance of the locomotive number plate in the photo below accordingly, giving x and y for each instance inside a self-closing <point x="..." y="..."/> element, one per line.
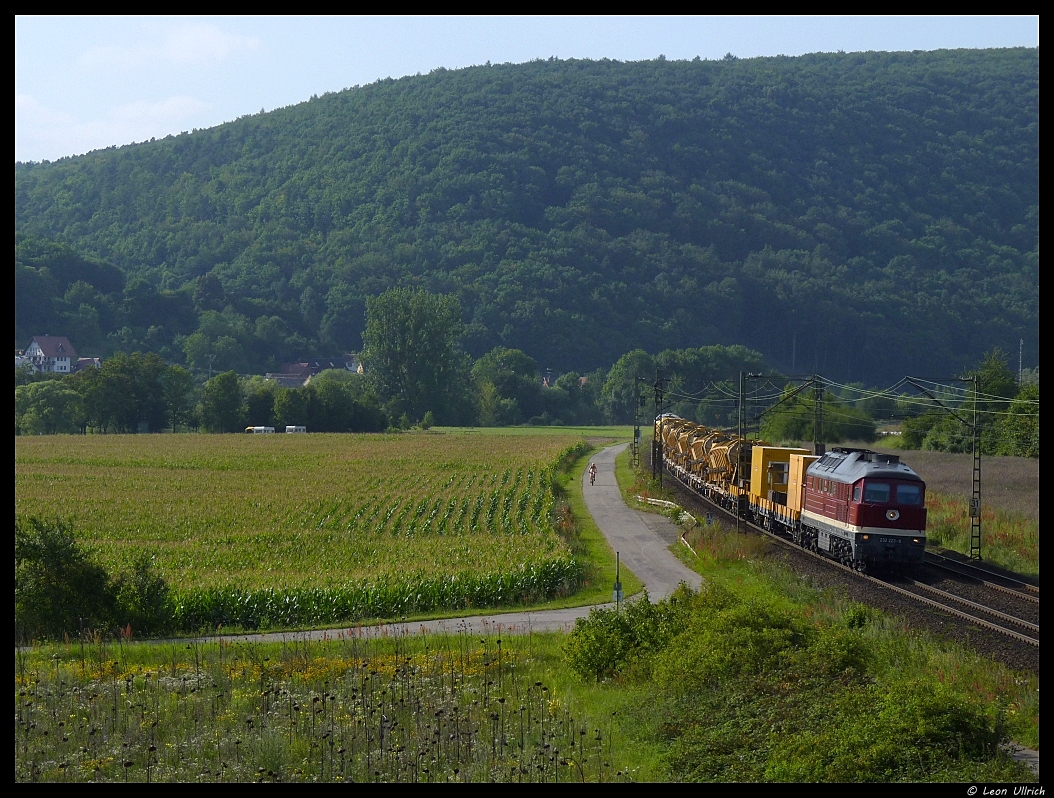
<point x="889" y="540"/>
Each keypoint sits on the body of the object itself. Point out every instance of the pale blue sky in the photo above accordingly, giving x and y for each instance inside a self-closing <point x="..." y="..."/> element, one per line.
<point x="82" y="83"/>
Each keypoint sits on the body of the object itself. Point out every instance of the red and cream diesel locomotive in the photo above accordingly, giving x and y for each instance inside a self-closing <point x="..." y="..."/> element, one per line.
<point x="860" y="507"/>
<point x="863" y="508"/>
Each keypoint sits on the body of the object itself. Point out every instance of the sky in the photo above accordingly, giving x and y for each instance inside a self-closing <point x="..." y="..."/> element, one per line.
<point x="84" y="83"/>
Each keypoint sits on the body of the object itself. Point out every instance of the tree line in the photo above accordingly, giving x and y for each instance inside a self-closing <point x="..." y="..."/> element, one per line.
<point x="418" y="374"/>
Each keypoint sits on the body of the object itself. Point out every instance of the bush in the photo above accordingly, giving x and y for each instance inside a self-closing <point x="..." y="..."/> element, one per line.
<point x="58" y="589"/>
<point x="748" y="689"/>
<point x="142" y="598"/>
<point x="606" y="642"/>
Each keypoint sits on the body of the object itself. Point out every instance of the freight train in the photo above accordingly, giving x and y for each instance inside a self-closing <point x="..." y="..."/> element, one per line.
<point x="862" y="508"/>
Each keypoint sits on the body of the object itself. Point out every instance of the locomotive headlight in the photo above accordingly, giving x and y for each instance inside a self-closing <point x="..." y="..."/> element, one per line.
<point x="915" y="540"/>
<point x="866" y="537"/>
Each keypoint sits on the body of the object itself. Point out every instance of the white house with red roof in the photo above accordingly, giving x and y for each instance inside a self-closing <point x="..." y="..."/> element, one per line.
<point x="51" y="353"/>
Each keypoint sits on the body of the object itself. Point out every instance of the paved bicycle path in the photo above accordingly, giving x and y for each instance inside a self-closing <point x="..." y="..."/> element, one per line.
<point x="643" y="539"/>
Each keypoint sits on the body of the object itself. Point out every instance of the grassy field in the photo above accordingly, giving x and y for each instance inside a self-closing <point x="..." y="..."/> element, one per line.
<point x="372" y="525"/>
<point x="1009" y="540"/>
<point x="414" y="709"/>
<point x="1009" y="502"/>
<point x="1008" y="484"/>
<point x="597" y="434"/>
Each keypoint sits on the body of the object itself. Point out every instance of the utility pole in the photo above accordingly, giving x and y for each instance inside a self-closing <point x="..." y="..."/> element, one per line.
<point x="211" y="358"/>
<point x="739" y="455"/>
<point x="740" y="413"/>
<point x="657" y="443"/>
<point x="975" y="498"/>
<point x="817" y="418"/>
<point x="638" y="410"/>
<point x="975" y="429"/>
<point x="1020" y="363"/>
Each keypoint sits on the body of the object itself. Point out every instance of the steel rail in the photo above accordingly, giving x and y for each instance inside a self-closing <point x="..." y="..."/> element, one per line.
<point x="963" y="568"/>
<point x="878" y="582"/>
<point x="1034" y="627"/>
<point x="1010" y="591"/>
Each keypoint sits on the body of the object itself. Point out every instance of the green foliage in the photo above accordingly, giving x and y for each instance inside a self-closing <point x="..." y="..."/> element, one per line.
<point x="914" y="431"/>
<point x="178" y="386"/>
<point x="1018" y="431"/>
<point x="46" y="408"/>
<point x="337" y="401"/>
<point x="1008" y="415"/>
<point x="619" y="395"/>
<point x="863" y="215"/>
<point x="412" y="352"/>
<point x="890" y="735"/>
<point x="61" y="591"/>
<point x="58" y="589"/>
<point x="411" y="594"/>
<point x="128" y="393"/>
<point x="607" y="642"/>
<point x="142" y="598"/>
<point x="221" y="404"/>
<point x="746" y="688"/>
<point x="510" y="390"/>
<point x="793" y="420"/>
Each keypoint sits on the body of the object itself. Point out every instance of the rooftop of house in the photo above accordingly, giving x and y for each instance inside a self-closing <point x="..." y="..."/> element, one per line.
<point x="54" y="346"/>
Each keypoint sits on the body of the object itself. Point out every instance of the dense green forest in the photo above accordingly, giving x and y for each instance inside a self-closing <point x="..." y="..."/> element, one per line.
<point x="864" y="215"/>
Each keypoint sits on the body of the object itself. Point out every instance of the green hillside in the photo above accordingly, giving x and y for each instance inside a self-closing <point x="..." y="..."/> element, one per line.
<point x="863" y="214"/>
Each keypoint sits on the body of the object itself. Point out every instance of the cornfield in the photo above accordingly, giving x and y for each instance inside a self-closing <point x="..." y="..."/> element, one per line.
<point x="283" y="530"/>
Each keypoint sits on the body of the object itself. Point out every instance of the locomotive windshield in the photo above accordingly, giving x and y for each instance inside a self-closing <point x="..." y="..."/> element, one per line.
<point x="909" y="494"/>
<point x="876" y="492"/>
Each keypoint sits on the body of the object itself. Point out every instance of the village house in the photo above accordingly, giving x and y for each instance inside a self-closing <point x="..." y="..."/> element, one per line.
<point x="51" y="354"/>
<point x="297" y="375"/>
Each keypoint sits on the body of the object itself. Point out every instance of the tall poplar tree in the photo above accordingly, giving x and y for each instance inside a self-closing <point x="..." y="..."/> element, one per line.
<point x="412" y="353"/>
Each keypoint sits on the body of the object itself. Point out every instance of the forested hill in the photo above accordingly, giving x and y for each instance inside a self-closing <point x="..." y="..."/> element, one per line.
<point x="864" y="214"/>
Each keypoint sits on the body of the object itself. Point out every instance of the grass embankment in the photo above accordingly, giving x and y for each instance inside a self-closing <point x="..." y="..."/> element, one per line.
<point x="1008" y="539"/>
<point x="774" y="660"/>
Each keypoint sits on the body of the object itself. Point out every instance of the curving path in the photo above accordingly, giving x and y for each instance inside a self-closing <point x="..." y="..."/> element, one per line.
<point x="643" y="540"/>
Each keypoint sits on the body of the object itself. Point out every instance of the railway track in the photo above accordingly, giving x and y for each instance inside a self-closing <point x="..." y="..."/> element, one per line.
<point x="970" y="611"/>
<point x="1005" y="584"/>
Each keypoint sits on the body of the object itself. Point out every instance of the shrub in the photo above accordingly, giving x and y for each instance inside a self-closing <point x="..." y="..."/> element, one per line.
<point x="58" y="589"/>
<point x="142" y="598"/>
<point x="606" y="642"/>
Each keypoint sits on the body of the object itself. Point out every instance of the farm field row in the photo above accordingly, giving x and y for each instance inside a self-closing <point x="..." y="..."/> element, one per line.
<point x="310" y="512"/>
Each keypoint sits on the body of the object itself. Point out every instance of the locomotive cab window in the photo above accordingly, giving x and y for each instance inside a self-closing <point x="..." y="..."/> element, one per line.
<point x="856" y="493"/>
<point x="909" y="494"/>
<point x="876" y="492"/>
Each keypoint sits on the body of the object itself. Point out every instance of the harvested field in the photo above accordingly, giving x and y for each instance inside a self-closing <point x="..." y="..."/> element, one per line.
<point x="1007" y="483"/>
